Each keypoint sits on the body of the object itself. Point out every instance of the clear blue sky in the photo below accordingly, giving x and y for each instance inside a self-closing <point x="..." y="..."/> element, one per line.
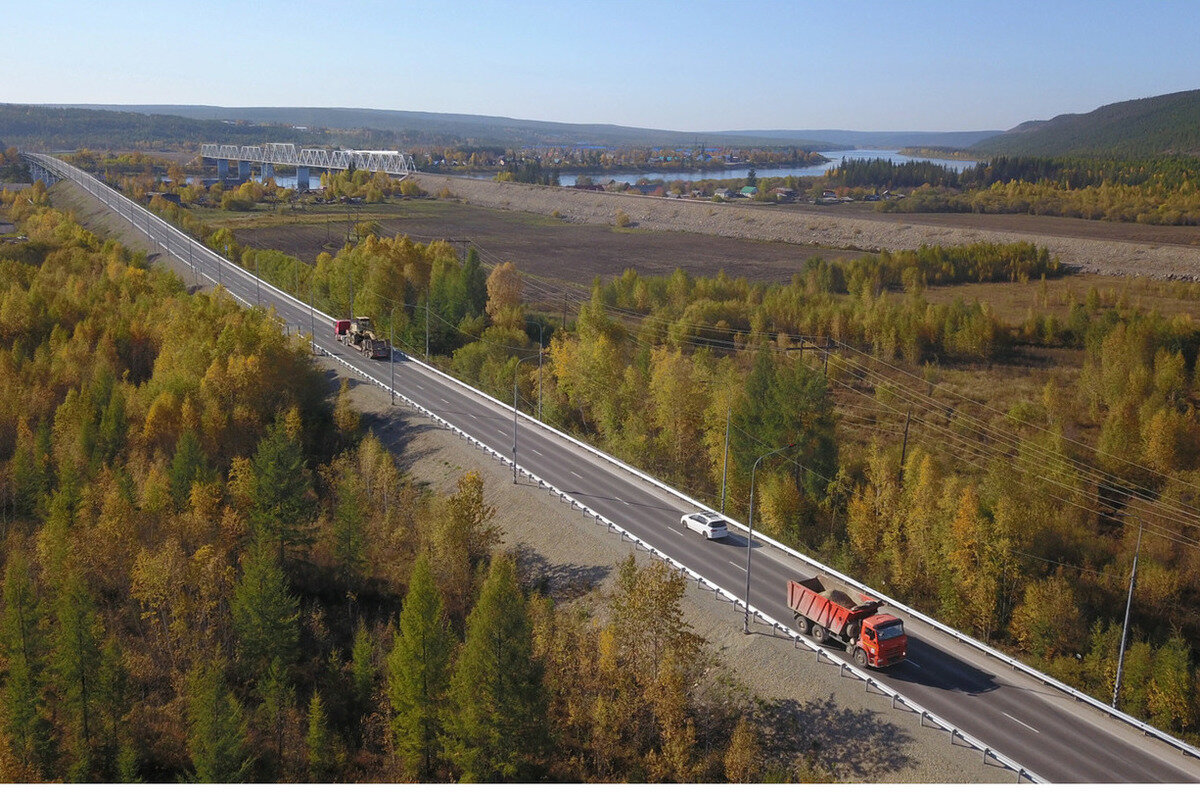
<point x="962" y="65"/>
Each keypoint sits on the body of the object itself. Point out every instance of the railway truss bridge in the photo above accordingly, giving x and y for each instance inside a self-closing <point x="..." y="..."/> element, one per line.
<point x="391" y="162"/>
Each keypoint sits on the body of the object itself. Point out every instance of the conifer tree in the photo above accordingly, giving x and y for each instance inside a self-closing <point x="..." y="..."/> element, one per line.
<point x="280" y="505"/>
<point x="318" y="741"/>
<point x="75" y="660"/>
<point x="265" y="613"/>
<point x="22" y="649"/>
<point x="187" y="466"/>
<point x="217" y="729"/>
<point x="496" y="710"/>
<point x="418" y="673"/>
<point x="743" y="758"/>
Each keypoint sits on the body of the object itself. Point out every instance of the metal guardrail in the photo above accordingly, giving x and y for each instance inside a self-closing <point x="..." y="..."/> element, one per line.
<point x="116" y="200"/>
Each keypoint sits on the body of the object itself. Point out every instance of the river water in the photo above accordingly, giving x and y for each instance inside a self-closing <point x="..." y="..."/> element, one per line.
<point x="834" y="156"/>
<point x="288" y="180"/>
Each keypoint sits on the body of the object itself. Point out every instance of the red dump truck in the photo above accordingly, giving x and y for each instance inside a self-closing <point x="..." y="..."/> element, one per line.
<point x="872" y="639"/>
<point x="359" y="334"/>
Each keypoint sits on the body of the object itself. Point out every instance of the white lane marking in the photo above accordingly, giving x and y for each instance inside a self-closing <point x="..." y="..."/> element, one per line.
<point x="1014" y="719"/>
<point x="537" y="452"/>
<point x="681" y="533"/>
<point x="743" y="569"/>
<point x="576" y="474"/>
<point x="918" y="666"/>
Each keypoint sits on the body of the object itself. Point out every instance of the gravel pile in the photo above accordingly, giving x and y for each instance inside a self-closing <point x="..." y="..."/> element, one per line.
<point x="796" y="226"/>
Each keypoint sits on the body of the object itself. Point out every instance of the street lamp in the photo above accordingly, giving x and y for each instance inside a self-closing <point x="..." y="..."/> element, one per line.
<point x="516" y="374"/>
<point x="750" y="534"/>
<point x="541" y="346"/>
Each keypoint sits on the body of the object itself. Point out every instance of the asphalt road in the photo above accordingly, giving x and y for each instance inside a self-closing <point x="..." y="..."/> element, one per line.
<point x="1060" y="739"/>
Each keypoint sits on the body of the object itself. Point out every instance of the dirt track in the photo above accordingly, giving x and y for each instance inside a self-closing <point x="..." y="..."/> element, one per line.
<point x="1104" y="248"/>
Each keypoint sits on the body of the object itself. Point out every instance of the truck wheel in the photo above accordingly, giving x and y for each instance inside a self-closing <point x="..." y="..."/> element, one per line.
<point x="860" y="657"/>
<point x="819" y="634"/>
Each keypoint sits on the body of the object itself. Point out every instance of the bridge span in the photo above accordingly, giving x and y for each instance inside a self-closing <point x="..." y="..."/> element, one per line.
<point x="391" y="162"/>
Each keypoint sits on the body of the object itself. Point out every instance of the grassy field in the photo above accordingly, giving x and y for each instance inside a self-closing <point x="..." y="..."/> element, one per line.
<point x="537" y="244"/>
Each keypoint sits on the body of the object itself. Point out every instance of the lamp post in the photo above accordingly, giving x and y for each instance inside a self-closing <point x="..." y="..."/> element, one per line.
<point x="541" y="346"/>
<point x="1125" y="629"/>
<point x="750" y="534"/>
<point x="517" y="374"/>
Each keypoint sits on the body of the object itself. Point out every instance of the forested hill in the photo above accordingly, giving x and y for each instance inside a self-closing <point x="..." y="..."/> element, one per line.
<point x="47" y="127"/>
<point x="433" y="128"/>
<point x="1168" y="124"/>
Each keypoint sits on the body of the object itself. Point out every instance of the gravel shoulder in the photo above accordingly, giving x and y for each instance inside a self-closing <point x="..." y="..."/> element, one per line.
<point x="1087" y="248"/>
<point x="854" y="735"/>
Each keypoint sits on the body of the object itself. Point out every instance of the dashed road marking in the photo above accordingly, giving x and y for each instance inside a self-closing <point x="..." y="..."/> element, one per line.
<point x="743" y="569"/>
<point x="1014" y="719"/>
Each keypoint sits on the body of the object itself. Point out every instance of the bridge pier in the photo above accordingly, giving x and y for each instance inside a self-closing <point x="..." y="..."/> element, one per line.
<point x="243" y="171"/>
<point x="222" y="169"/>
<point x="301" y="179"/>
<point x="268" y="170"/>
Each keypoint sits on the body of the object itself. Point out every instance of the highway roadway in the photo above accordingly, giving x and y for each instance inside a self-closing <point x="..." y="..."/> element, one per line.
<point x="1060" y="739"/>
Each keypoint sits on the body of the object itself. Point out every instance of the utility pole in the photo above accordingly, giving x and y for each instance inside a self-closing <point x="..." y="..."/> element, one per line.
<point x="427" y="326"/>
<point x="725" y="463"/>
<point x="392" y="359"/>
<point x="1128" y="605"/>
<point x="904" y="447"/>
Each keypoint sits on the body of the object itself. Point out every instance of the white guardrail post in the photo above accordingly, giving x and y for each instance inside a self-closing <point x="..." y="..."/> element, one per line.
<point x="140" y="216"/>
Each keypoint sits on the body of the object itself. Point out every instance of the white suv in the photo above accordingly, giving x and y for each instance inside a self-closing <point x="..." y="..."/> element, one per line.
<point x="711" y="525"/>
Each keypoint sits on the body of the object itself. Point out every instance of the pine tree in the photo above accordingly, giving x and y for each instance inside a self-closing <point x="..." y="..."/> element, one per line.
<point x="281" y="504"/>
<point x="76" y="660"/>
<point x="187" y="466"/>
<point x="22" y="650"/>
<point x="278" y="698"/>
<point x="418" y="673"/>
<point x="496" y="710"/>
<point x="362" y="668"/>
<point x="318" y="742"/>
<point x="350" y="528"/>
<point x="265" y="614"/>
<point x="217" y="729"/>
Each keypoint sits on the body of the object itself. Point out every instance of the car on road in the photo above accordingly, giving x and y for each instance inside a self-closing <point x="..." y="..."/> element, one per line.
<point x="711" y="525"/>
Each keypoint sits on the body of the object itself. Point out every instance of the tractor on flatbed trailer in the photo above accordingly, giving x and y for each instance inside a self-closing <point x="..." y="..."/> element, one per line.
<point x="359" y="334"/>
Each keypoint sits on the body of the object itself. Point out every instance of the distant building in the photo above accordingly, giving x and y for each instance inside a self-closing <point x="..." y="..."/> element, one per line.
<point x="749" y="191"/>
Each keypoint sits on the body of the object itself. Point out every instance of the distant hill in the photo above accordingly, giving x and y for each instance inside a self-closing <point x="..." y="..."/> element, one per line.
<point x="419" y="127"/>
<point x="884" y="140"/>
<point x="59" y="128"/>
<point x="164" y="126"/>
<point x="1168" y="124"/>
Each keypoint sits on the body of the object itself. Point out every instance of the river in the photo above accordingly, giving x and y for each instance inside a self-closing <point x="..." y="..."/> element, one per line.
<point x="834" y="156"/>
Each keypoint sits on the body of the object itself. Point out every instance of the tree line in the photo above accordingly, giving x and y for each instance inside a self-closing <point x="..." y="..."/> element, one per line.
<point x="1159" y="191"/>
<point x="656" y="370"/>
<point x="210" y="573"/>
